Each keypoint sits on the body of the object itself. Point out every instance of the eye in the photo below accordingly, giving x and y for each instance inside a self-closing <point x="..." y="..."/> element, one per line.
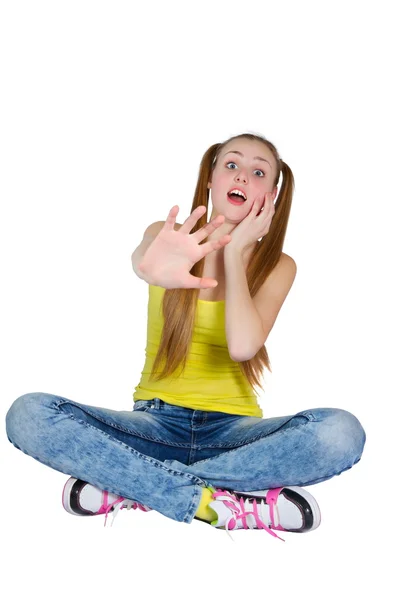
<point x="233" y="163"/>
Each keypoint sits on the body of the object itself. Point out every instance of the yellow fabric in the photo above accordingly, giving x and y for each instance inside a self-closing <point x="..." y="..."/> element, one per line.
<point x="211" y="381"/>
<point x="204" y="512"/>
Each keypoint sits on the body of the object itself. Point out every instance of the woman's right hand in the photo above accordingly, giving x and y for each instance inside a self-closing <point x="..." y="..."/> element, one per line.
<point x="170" y="257"/>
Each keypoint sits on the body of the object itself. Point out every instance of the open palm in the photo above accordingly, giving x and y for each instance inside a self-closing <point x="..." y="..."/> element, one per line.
<point x="170" y="257"/>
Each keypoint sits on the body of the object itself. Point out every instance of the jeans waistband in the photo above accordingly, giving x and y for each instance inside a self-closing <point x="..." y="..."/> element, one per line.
<point x="157" y="404"/>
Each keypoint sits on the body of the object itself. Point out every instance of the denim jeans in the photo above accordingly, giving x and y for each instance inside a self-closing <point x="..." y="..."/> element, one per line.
<point x="163" y="455"/>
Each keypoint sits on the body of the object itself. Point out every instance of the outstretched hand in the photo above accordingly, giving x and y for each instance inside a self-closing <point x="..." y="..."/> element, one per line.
<point x="170" y="257"/>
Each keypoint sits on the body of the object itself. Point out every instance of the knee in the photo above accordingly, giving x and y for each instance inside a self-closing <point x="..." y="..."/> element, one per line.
<point x="343" y="433"/>
<point x="20" y="414"/>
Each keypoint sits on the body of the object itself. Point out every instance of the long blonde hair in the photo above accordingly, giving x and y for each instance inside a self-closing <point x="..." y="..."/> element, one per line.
<point x="179" y="305"/>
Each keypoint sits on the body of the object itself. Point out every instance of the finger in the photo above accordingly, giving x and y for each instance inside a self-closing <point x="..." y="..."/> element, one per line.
<point x="270" y="202"/>
<point x="209" y="228"/>
<point x="171" y="219"/>
<point x="257" y="205"/>
<point x="209" y="247"/>
<point x="260" y="200"/>
<point x="271" y="198"/>
<point x="267" y="205"/>
<point x="266" y="199"/>
<point x="193" y="218"/>
<point x="207" y="282"/>
<point x="201" y="283"/>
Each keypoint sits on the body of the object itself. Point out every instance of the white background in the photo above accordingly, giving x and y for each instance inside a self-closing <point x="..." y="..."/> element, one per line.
<point x="106" y="111"/>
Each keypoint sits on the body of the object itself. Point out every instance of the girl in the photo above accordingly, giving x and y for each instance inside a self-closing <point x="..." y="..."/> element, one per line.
<point x="196" y="444"/>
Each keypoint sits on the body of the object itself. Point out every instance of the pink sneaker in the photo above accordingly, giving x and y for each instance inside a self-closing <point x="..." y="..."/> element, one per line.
<point x="85" y="500"/>
<point x="285" y="509"/>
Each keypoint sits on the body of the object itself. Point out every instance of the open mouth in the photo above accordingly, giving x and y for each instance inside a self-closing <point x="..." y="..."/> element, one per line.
<point x="235" y="198"/>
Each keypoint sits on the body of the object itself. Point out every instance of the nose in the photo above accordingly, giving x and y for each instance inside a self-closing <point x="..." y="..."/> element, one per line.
<point x="241" y="177"/>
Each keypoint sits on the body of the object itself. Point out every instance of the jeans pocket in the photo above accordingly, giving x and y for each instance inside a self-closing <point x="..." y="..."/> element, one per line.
<point x="307" y="414"/>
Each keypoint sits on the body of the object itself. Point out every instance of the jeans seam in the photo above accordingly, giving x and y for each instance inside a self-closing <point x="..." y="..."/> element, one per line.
<point x="233" y="445"/>
<point x="278" y="433"/>
<point x="259" y="437"/>
<point x="129" y="431"/>
<point x="193" y="506"/>
<point x="146" y="458"/>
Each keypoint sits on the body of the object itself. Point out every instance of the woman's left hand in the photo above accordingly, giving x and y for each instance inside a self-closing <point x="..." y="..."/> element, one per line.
<point x="254" y="226"/>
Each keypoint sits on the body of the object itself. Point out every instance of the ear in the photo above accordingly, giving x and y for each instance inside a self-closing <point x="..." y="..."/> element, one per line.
<point x="209" y="185"/>
<point x="275" y="192"/>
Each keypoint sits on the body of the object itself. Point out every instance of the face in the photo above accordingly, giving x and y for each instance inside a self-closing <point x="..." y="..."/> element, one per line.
<point x="253" y="176"/>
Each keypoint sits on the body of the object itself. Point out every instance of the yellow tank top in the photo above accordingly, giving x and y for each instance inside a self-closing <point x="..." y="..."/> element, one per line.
<point x="211" y="381"/>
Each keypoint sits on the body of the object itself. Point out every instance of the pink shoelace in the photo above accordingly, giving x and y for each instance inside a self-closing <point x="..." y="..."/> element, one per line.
<point x="119" y="503"/>
<point x="247" y="510"/>
<point x="241" y="510"/>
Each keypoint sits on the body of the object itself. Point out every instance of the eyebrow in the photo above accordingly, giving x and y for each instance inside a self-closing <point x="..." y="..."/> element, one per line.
<point x="255" y="158"/>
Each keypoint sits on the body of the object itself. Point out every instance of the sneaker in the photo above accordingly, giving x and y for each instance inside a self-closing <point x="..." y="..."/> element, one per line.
<point x="285" y="509"/>
<point x="83" y="499"/>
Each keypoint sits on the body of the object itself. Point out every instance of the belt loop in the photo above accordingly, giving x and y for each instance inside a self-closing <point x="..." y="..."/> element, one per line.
<point x="156" y="403"/>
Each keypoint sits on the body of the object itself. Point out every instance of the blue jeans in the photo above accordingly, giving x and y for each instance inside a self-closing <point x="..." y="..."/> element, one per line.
<point x="163" y="455"/>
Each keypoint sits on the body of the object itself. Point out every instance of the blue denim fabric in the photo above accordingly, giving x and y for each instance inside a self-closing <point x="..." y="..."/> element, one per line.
<point x="163" y="455"/>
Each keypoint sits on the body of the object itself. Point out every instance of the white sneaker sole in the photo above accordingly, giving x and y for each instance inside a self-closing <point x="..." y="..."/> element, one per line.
<point x="66" y="496"/>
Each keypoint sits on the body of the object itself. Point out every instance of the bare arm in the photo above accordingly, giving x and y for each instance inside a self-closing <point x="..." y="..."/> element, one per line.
<point x="148" y="237"/>
<point x="248" y="321"/>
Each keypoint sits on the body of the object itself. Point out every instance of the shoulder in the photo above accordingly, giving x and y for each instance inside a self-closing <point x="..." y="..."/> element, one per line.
<point x="284" y="274"/>
<point x="158" y="225"/>
<point x="288" y="263"/>
<point x="279" y="281"/>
